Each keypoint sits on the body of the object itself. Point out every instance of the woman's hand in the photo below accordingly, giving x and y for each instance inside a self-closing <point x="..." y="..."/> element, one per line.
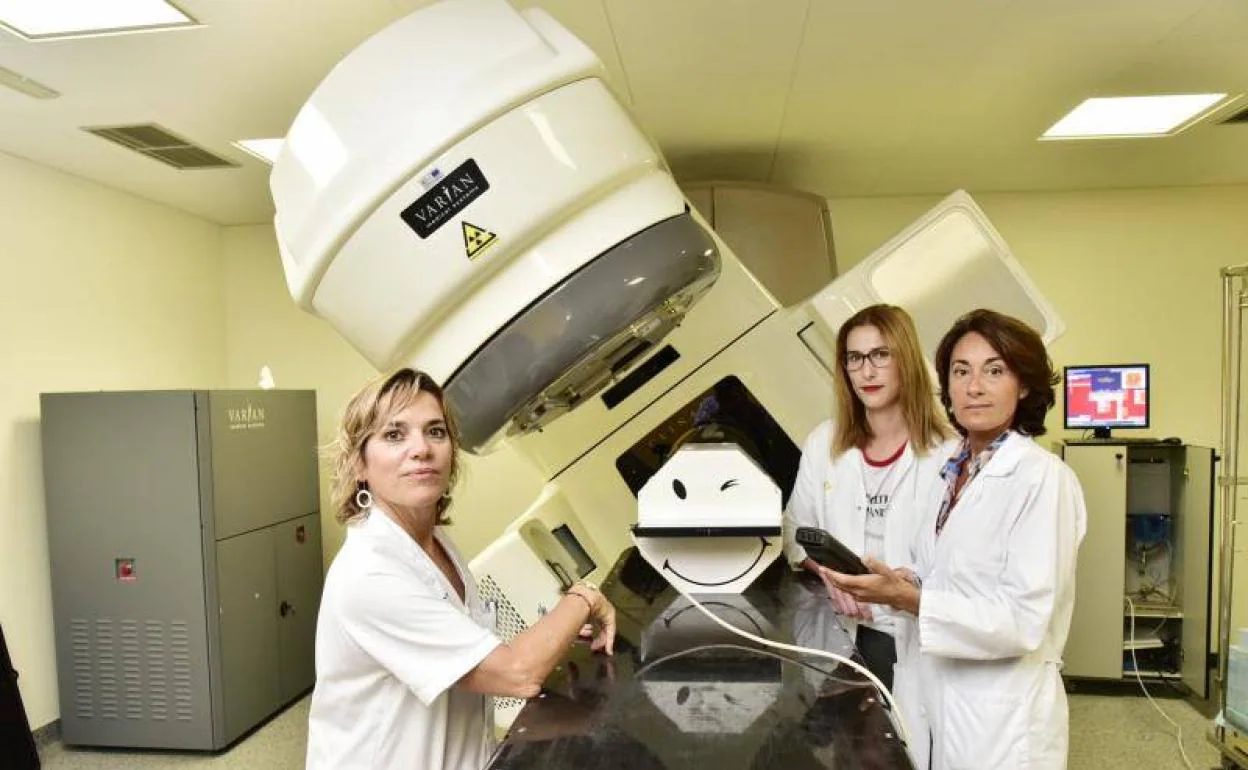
<point x="601" y="618"/>
<point x="884" y="585"/>
<point x="844" y="603"/>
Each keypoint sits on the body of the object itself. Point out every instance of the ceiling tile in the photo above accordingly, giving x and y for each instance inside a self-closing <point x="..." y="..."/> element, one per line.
<point x="710" y="76"/>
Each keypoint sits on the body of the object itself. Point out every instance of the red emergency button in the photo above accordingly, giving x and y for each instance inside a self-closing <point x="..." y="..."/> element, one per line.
<point x="125" y="570"/>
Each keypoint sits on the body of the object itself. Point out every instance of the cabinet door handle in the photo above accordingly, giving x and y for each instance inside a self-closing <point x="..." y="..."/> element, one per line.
<point x="1118" y="459"/>
<point x="286" y="608"/>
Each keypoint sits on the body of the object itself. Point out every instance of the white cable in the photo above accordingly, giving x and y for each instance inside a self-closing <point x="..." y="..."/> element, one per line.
<point x="888" y="696"/>
<point x="1136" y="663"/>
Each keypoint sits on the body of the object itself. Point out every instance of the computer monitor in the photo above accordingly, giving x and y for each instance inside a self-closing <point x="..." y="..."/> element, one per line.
<point x="1107" y="396"/>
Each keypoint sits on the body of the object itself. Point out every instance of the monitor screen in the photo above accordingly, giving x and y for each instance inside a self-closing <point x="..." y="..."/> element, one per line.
<point x="1107" y="396"/>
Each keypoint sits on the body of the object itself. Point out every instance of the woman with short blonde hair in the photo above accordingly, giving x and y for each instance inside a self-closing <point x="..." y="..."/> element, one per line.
<point x="406" y="650"/>
<point x="363" y="418"/>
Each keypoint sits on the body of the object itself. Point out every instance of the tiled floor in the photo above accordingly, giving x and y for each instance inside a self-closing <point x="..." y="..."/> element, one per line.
<point x="1124" y="732"/>
<point x="278" y="745"/>
<point x="1106" y="733"/>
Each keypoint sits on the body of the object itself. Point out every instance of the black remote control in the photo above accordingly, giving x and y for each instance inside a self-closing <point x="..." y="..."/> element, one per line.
<point x="830" y="552"/>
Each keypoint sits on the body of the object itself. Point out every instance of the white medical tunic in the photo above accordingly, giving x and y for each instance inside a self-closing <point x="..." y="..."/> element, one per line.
<point x="998" y="594"/>
<point x="392" y="639"/>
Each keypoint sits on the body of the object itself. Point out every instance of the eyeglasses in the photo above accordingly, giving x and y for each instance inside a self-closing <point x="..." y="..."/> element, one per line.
<point x="879" y="358"/>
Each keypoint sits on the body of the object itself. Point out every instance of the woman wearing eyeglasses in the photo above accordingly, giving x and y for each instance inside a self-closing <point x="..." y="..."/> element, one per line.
<point x="866" y="474"/>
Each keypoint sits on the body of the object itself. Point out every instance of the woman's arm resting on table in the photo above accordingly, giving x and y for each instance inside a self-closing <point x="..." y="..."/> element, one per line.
<point x="518" y="668"/>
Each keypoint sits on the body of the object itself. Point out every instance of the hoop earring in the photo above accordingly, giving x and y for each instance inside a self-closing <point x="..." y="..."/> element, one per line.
<point x="363" y="498"/>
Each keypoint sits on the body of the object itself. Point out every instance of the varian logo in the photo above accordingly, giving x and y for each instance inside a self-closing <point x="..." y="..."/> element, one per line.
<point x="451" y="195"/>
<point x="245" y="418"/>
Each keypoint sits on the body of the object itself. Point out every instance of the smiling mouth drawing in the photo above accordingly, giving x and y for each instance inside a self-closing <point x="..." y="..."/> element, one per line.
<point x="667" y="565"/>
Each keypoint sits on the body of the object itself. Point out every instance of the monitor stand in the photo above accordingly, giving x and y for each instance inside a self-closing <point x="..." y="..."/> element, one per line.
<point x="1102" y="436"/>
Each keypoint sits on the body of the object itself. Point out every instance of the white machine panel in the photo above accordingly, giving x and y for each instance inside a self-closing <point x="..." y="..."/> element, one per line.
<point x="366" y="129"/>
<point x="948" y="262"/>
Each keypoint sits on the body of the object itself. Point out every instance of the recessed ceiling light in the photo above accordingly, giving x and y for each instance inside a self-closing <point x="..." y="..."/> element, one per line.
<point x="1127" y="116"/>
<point x="47" y="19"/>
<point x="264" y="149"/>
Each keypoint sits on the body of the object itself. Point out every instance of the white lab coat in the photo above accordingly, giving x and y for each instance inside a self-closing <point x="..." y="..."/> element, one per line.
<point x="829" y="493"/>
<point x="998" y="593"/>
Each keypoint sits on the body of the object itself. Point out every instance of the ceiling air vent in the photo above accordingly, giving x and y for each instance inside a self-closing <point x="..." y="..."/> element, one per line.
<point x="159" y="144"/>
<point x="1239" y="117"/>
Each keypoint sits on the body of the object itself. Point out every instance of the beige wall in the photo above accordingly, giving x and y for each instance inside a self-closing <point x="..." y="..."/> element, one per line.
<point x="266" y="328"/>
<point x="100" y="290"/>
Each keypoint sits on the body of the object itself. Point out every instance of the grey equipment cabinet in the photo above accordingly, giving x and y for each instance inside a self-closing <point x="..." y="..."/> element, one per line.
<point x="1149" y="539"/>
<point x="185" y="544"/>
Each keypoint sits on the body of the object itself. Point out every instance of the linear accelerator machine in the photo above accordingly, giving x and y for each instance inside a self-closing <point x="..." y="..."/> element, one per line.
<point x="465" y="194"/>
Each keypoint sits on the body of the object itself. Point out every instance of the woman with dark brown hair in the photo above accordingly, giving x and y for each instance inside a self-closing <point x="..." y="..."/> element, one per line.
<point x="405" y="648"/>
<point x="993" y="586"/>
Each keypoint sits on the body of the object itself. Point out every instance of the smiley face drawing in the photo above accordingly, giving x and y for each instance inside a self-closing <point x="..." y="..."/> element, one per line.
<point x="709" y="520"/>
